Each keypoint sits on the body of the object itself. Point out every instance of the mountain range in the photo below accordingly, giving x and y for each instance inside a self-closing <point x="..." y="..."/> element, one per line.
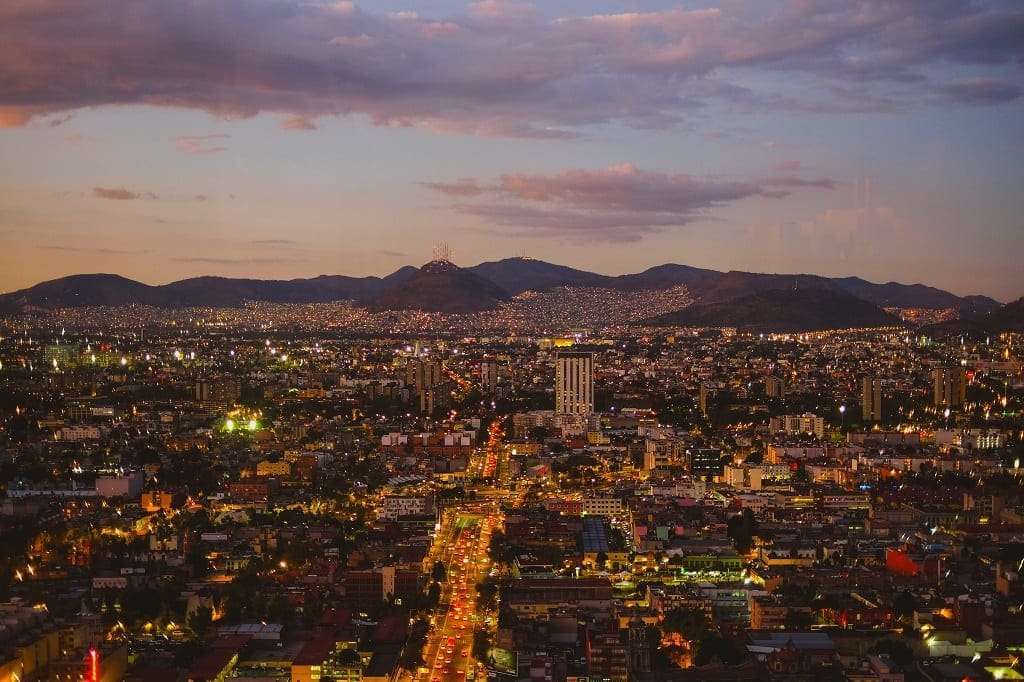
<point x="781" y="310"/>
<point x="441" y="286"/>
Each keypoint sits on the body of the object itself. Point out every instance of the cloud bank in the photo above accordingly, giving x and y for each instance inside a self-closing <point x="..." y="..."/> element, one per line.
<point x="117" y="193"/>
<point x="618" y="204"/>
<point x="501" y="68"/>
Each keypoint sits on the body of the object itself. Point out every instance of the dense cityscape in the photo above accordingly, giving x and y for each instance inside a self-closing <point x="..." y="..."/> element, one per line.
<point x="257" y="494"/>
<point x="511" y="341"/>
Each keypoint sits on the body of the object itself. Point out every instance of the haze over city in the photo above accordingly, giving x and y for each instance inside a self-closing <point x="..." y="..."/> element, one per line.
<point x="281" y="139"/>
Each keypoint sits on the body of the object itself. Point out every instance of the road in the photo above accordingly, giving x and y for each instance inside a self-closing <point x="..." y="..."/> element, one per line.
<point x="461" y="545"/>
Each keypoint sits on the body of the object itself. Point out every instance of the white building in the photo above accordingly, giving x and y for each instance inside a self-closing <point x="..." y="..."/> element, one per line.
<point x="602" y="505"/>
<point x="397" y="506"/>
<point x="80" y="432"/>
<point x="128" y="485"/>
<point x="574" y="382"/>
<point x="743" y="476"/>
<point x="796" y="424"/>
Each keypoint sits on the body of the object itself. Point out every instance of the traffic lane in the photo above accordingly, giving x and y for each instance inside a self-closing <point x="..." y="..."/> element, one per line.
<point x="465" y="538"/>
<point x="464" y="554"/>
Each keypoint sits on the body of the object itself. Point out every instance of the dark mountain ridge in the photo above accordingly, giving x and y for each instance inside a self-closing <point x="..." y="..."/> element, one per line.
<point x="1008" y="318"/>
<point x="781" y="310"/>
<point x="441" y="287"/>
<point x="494" y="281"/>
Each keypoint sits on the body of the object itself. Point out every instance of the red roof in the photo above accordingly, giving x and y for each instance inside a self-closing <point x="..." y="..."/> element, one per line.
<point x="391" y="629"/>
<point x="211" y="665"/>
<point x="316" y="651"/>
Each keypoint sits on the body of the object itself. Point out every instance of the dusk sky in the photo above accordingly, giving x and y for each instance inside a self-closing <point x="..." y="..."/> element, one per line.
<point x="163" y="139"/>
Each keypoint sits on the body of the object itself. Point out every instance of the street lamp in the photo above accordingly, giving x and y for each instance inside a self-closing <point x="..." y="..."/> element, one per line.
<point x="947" y="418"/>
<point x="842" y="417"/>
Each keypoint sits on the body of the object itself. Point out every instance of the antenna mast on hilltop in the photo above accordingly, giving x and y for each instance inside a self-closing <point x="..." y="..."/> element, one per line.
<point x="443" y="252"/>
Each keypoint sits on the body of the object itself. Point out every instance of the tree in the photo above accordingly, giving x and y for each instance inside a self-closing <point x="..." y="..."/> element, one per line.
<point x="538" y="433"/>
<point x="201" y="620"/>
<point x="481" y="643"/>
<point x="741" y="530"/>
<point x="689" y="622"/>
<point x="713" y="647"/>
<point x="901" y="654"/>
<point x="487" y="593"/>
<point x="685" y="627"/>
<point x="659" y="660"/>
<point x="412" y="655"/>
<point x="904" y="604"/>
<point x="438" y="573"/>
<point x="197" y="561"/>
<point x="797" y="619"/>
<point x="434" y="594"/>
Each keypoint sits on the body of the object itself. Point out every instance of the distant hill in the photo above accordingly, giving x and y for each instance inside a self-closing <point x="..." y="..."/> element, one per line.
<point x="1008" y="318"/>
<point x="495" y="281"/>
<point x="442" y="287"/>
<point x="781" y="310"/>
<point x="225" y="292"/>
<point x="719" y="287"/>
<point x="662" y="277"/>
<point x="895" y="295"/>
<point x="516" y="275"/>
<point x="78" y="291"/>
<point x="83" y="290"/>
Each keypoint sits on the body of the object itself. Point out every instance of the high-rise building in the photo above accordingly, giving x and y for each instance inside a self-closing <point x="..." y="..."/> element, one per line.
<point x="422" y="374"/>
<point x="950" y="386"/>
<point x="489" y="376"/>
<point x="705" y="461"/>
<point x="774" y="387"/>
<point x="706" y="392"/>
<point x="871" y="399"/>
<point x="218" y="391"/>
<point x="574" y="382"/>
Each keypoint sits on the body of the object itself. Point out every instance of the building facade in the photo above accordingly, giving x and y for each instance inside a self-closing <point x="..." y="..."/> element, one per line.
<point x="574" y="382"/>
<point x="871" y="399"/>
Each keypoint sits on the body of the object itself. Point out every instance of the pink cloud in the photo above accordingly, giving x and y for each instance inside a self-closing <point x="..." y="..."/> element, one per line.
<point x="620" y="203"/>
<point x="499" y="67"/>
<point x="201" y="144"/>
<point x="788" y="165"/>
<point x="463" y="187"/>
<point x="822" y="183"/>
<point x="298" y="123"/>
<point x="119" y="193"/>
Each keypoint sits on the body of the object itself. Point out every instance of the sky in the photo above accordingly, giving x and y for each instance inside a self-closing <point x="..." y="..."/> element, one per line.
<point x="281" y="139"/>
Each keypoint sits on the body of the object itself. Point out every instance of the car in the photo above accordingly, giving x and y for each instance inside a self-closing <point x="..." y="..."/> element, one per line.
<point x="437" y="665"/>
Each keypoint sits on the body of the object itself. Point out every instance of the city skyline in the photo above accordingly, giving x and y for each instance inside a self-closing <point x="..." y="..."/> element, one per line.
<point x="278" y="140"/>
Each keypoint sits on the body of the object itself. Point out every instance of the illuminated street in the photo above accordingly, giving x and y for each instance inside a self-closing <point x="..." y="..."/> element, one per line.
<point x="461" y="545"/>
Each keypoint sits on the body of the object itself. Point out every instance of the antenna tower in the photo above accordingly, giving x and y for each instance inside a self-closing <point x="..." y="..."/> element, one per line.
<point x="443" y="252"/>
